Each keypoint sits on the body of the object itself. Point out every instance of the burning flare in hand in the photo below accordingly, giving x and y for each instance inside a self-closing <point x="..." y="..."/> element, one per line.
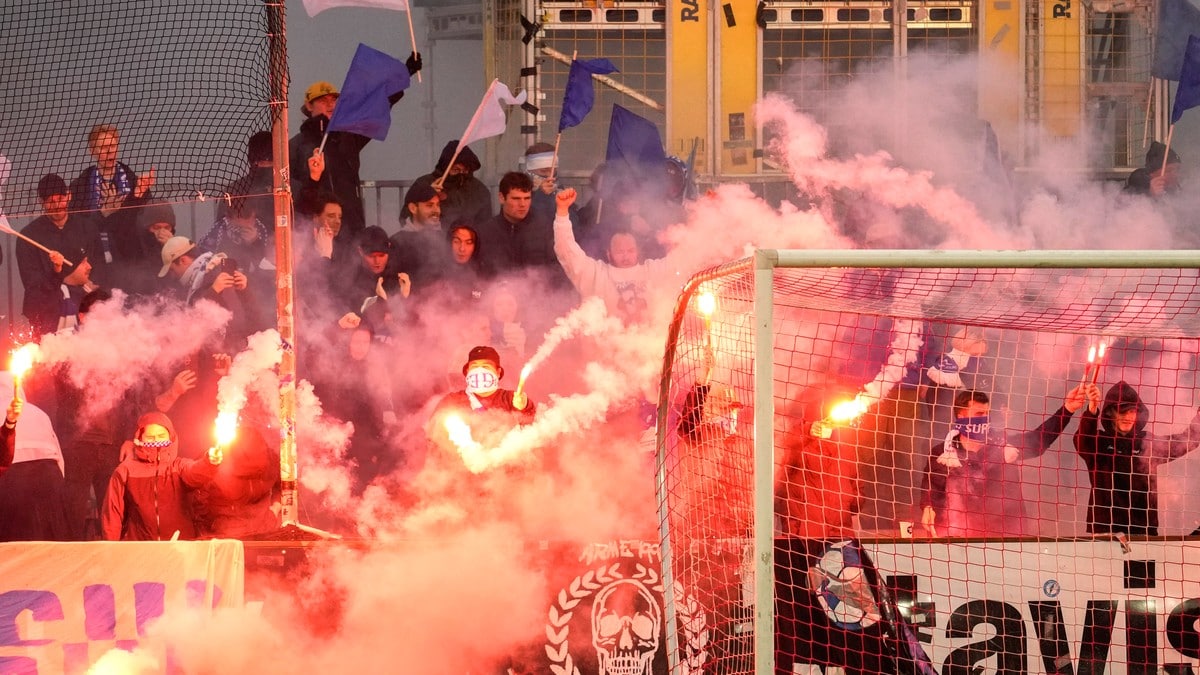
<point x="224" y="432"/>
<point x="225" y="429"/>
<point x="20" y="363"/>
<point x="1095" y="360"/>
<point x="469" y="449"/>
<point x="841" y="414"/>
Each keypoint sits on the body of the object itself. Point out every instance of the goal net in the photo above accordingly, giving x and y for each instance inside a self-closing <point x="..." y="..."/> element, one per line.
<point x="185" y="84"/>
<point x="913" y="461"/>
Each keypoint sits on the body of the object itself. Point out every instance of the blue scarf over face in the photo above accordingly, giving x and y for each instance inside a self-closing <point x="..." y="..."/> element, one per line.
<point x="973" y="428"/>
<point x="121" y="179"/>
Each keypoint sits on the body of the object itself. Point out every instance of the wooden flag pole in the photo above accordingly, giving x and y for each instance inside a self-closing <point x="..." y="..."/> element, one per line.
<point x="1167" y="152"/>
<point x="554" y="160"/>
<point x="558" y="138"/>
<point x="1146" y="119"/>
<point x="5" y="227"/>
<point x="412" y="37"/>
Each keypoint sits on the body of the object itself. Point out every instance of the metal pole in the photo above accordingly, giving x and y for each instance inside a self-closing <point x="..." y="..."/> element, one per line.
<point x="276" y="26"/>
<point x="764" y="463"/>
<point x="1063" y="259"/>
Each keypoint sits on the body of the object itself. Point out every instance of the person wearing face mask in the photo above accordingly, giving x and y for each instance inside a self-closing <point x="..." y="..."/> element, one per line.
<point x="957" y="369"/>
<point x="463" y="198"/>
<point x="972" y="486"/>
<point x="1122" y="459"/>
<point x="147" y="494"/>
<point x="489" y="411"/>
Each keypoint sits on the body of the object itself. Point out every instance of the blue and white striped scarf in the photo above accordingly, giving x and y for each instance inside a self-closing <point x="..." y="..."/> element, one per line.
<point x="122" y="179"/>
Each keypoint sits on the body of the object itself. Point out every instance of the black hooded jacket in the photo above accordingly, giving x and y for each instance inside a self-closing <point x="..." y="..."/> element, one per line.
<point x="342" y="162"/>
<point x="1123" y="467"/>
<point x="468" y="201"/>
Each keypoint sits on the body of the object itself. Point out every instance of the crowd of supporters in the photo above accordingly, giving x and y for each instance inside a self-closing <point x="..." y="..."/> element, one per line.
<point x="461" y="255"/>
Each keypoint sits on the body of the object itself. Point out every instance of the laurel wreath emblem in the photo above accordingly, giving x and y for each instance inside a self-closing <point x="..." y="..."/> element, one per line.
<point x="692" y="618"/>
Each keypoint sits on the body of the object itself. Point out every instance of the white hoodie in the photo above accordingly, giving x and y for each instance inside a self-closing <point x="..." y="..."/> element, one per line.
<point x="593" y="277"/>
<point x="35" y="436"/>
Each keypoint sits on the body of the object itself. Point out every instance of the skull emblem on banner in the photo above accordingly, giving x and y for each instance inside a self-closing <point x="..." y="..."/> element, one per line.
<point x="626" y="625"/>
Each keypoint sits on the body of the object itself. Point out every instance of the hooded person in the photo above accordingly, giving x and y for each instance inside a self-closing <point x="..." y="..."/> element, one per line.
<point x="1155" y="178"/>
<point x="1122" y="460"/>
<point x="238" y="502"/>
<point x="148" y="494"/>
<point x="32" y="489"/>
<point x="465" y="200"/>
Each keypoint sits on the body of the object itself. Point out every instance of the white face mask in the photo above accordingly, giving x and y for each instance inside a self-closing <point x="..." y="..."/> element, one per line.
<point x="482" y="381"/>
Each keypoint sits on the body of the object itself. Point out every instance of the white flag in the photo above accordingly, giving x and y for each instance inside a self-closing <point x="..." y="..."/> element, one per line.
<point x="315" y="7"/>
<point x="489" y="118"/>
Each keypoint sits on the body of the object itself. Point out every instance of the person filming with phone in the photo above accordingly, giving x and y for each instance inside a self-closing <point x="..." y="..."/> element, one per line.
<point x="204" y="275"/>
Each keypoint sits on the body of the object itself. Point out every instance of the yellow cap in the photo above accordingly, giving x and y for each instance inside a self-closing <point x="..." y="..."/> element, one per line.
<point x="318" y="89"/>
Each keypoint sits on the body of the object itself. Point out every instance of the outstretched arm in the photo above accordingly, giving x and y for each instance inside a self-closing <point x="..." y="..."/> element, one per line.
<point x="1032" y="444"/>
<point x="1166" y="448"/>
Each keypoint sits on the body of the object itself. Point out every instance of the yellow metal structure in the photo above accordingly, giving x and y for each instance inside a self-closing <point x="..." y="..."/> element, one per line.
<point x="737" y="81"/>
<point x="695" y="68"/>
<point x="689" y="82"/>
<point x="1062" y="66"/>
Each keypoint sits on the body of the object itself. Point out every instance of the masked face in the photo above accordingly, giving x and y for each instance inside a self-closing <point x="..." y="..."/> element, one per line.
<point x="482" y="380"/>
<point x="973" y="428"/>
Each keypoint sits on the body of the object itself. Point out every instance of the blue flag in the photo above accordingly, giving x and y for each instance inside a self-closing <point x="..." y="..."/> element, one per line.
<point x="634" y="140"/>
<point x="363" y="107"/>
<point x="1177" y="20"/>
<point x="1188" y="93"/>
<point x="579" y="96"/>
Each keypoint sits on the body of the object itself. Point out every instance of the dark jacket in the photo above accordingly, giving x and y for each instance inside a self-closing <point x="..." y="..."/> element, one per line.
<point x="1123" y="467"/>
<point x="77" y="239"/>
<point x="488" y="424"/>
<point x="524" y="245"/>
<point x="119" y="224"/>
<point x="147" y="495"/>
<point x="237" y="503"/>
<point x="978" y="494"/>
<point x="342" y="161"/>
<point x="468" y="201"/>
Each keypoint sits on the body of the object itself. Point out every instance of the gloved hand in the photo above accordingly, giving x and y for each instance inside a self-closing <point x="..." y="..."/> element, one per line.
<point x="413" y="63"/>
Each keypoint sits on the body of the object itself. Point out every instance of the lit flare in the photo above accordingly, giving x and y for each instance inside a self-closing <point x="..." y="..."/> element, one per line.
<point x="844" y="413"/>
<point x="1095" y="360"/>
<point x="20" y="363"/>
<point x="225" y="429"/>
<point x="469" y="449"/>
<point x="521" y="381"/>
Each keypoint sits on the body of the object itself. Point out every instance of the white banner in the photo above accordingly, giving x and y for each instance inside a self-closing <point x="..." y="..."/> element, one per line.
<point x="1050" y="607"/>
<point x="63" y="605"/>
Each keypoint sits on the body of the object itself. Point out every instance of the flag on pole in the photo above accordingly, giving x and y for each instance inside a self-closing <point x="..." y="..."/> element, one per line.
<point x="1188" y="93"/>
<point x="1177" y="20"/>
<point x="580" y="96"/>
<point x="363" y="107"/>
<point x="634" y="140"/>
<point x="315" y="7"/>
<point x="489" y="118"/>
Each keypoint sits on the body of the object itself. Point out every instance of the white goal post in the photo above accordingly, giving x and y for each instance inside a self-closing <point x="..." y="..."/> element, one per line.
<point x="789" y="332"/>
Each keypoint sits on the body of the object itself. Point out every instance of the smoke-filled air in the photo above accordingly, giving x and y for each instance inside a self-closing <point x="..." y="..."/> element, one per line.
<point x="442" y="516"/>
